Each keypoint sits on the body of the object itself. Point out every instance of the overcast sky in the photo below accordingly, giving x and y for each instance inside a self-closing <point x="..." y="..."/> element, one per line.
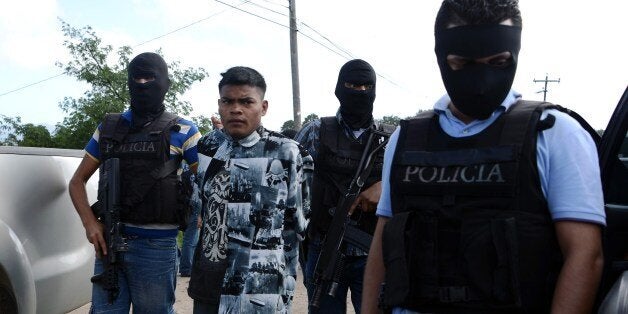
<point x="581" y="43"/>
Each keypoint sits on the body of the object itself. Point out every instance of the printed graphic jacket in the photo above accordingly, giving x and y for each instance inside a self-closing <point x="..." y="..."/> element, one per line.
<point x="250" y="195"/>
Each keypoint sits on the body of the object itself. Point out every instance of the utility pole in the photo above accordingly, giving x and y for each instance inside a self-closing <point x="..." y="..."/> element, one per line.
<point x="546" y="80"/>
<point x="294" y="61"/>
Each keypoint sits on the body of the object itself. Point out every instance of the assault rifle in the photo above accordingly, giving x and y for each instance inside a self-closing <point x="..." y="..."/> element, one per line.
<point x="108" y="211"/>
<point x="327" y="274"/>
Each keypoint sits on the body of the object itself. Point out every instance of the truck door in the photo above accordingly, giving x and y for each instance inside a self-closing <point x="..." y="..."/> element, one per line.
<point x="613" y="152"/>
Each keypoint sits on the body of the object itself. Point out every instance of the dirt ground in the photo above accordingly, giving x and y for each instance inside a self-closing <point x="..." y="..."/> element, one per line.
<point x="183" y="304"/>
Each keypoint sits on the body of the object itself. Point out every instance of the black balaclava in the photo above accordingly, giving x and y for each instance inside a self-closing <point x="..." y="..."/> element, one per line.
<point x="478" y="89"/>
<point x="356" y="106"/>
<point x="147" y="99"/>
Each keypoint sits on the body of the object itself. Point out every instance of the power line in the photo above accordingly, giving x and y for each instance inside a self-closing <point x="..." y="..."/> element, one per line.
<point x="140" y="44"/>
<point x="274" y="22"/>
<point x="267" y="9"/>
<point x="247" y="12"/>
<point x="275" y="3"/>
<point x="345" y="54"/>
<point x="300" y="32"/>
<point x="31" y="84"/>
<point x="331" y="42"/>
<point x="186" y="26"/>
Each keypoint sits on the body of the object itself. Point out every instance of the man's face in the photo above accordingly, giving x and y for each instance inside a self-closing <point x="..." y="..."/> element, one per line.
<point x="241" y="108"/>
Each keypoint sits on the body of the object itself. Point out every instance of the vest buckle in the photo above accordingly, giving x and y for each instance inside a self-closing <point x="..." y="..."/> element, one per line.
<point x="453" y="294"/>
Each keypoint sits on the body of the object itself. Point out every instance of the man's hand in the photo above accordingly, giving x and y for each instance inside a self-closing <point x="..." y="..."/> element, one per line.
<point x="95" y="235"/>
<point x="368" y="199"/>
<point x="216" y="123"/>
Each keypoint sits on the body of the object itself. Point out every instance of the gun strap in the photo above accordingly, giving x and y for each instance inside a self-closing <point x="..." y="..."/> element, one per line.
<point x="166" y="168"/>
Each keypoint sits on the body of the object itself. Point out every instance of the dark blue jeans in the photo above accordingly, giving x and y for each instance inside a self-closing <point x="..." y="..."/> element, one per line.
<point x="190" y="239"/>
<point x="352" y="277"/>
<point x="147" y="278"/>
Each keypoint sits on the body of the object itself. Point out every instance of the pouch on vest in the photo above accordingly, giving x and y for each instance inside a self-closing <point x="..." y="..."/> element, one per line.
<point x="483" y="254"/>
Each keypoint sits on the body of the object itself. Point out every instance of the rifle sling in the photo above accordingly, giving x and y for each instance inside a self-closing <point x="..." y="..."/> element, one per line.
<point x="166" y="168"/>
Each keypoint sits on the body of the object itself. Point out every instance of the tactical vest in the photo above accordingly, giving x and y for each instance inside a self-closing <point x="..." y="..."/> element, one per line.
<point x="471" y="230"/>
<point x="335" y="166"/>
<point x="151" y="190"/>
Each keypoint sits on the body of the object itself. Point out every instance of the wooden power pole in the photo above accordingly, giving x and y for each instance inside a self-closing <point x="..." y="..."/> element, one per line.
<point x="546" y="80"/>
<point x="294" y="61"/>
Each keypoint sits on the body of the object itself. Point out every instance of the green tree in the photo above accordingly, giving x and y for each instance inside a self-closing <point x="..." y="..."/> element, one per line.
<point x="288" y="125"/>
<point x="392" y="120"/>
<point x="18" y="134"/>
<point x="203" y="123"/>
<point x="310" y="117"/>
<point x="108" y="90"/>
<point x="9" y="130"/>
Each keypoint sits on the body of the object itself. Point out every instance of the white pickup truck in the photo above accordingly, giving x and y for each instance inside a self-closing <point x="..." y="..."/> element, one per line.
<point x="45" y="258"/>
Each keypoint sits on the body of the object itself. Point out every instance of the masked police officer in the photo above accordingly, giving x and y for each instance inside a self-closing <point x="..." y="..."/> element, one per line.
<point x="490" y="204"/>
<point x="150" y="143"/>
<point x="336" y="145"/>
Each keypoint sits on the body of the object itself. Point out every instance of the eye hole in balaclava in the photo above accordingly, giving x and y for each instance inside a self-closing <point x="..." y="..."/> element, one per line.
<point x="356" y="106"/>
<point x="147" y="99"/>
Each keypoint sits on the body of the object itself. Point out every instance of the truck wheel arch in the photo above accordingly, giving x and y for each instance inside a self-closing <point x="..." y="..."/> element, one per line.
<point x="16" y="278"/>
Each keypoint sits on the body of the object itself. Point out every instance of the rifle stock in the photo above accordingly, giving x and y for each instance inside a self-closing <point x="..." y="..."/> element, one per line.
<point x="109" y="202"/>
<point x="328" y="270"/>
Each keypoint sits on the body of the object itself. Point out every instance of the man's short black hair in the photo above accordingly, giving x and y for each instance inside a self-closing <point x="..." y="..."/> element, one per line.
<point x="241" y="75"/>
<point x="477" y="12"/>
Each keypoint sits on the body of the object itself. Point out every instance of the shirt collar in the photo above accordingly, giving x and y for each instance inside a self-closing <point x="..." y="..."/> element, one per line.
<point x="442" y="105"/>
<point x="250" y="139"/>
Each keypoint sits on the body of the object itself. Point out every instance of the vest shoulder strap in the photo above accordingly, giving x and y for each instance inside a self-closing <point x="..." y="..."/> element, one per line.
<point x="526" y="105"/>
<point x="113" y="128"/>
<point x="328" y="133"/>
<point x="419" y="125"/>
<point x="166" y="121"/>
<point x="519" y="119"/>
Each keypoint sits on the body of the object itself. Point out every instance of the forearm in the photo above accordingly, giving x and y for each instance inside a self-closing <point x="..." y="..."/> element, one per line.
<point x="582" y="267"/>
<point x="374" y="271"/>
<point x="577" y="284"/>
<point x="78" y="194"/>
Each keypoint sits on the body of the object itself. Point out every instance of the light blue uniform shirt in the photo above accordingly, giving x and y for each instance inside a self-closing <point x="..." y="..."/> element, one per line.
<point x="566" y="158"/>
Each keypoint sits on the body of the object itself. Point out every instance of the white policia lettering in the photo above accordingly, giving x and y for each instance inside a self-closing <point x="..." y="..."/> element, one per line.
<point x="131" y="147"/>
<point x="466" y="174"/>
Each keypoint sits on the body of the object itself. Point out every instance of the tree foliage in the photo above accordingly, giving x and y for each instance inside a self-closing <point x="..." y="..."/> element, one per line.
<point x="310" y="117"/>
<point x="288" y="125"/>
<point x="392" y="120"/>
<point x="108" y="92"/>
<point x="14" y="133"/>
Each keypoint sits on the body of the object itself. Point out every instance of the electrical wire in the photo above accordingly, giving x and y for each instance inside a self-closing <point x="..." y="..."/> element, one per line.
<point x="135" y="46"/>
<point x="267" y="9"/>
